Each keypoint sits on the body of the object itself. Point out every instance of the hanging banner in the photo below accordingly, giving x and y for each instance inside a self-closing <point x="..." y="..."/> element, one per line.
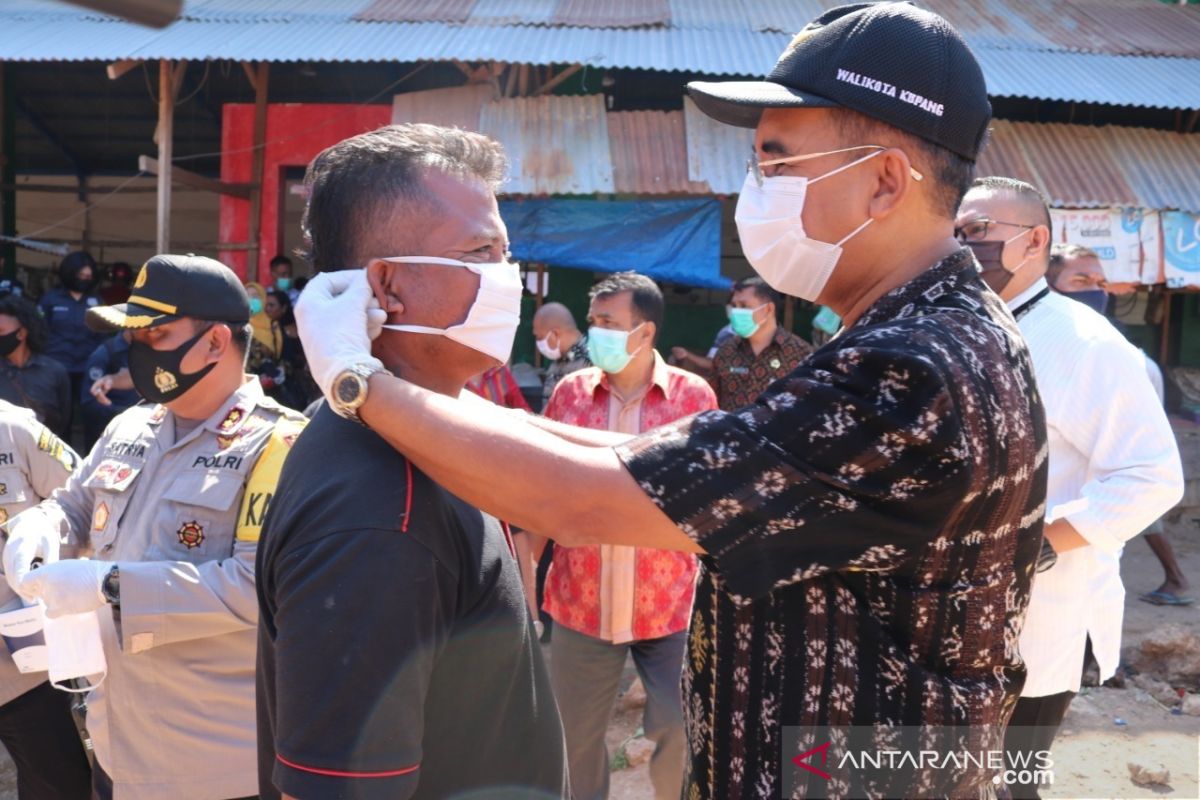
<point x="1181" y="248"/>
<point x="1125" y="239"/>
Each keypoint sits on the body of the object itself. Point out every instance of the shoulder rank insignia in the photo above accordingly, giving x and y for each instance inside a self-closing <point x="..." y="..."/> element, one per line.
<point x="159" y="414"/>
<point x="191" y="534"/>
<point x="233" y="420"/>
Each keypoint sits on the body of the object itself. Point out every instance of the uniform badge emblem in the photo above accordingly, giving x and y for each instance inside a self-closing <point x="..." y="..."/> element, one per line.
<point x="231" y="419"/>
<point x="3" y="515"/>
<point x="191" y="534"/>
<point x="159" y="414"/>
<point x="140" y="281"/>
<point x="100" y="518"/>
<point x="3" y="488"/>
<point x="164" y="381"/>
<point x="122" y="474"/>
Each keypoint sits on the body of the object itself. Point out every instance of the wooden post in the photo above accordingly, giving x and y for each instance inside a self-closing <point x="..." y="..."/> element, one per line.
<point x="8" y="172"/>
<point x="538" y="299"/>
<point x="261" y="75"/>
<point x="1164" y="344"/>
<point x="165" y="135"/>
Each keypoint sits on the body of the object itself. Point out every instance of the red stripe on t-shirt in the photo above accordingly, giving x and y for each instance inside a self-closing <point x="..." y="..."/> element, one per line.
<point x="333" y="773"/>
<point x="407" y="495"/>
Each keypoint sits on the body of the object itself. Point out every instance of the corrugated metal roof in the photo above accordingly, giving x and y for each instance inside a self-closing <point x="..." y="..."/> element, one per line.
<point x="716" y="153"/>
<point x="611" y="13"/>
<point x="649" y="153"/>
<point x="1026" y="49"/>
<point x="1145" y="81"/>
<point x="1078" y="166"/>
<point x="1162" y="167"/>
<point x="416" y="11"/>
<point x="512" y="12"/>
<point x="456" y="107"/>
<point x="555" y="145"/>
<point x="719" y="52"/>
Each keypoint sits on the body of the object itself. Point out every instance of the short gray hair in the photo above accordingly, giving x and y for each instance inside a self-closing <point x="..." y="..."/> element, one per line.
<point x="354" y="186"/>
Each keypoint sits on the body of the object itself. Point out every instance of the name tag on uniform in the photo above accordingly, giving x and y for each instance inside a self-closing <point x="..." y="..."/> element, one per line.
<point x="739" y="370"/>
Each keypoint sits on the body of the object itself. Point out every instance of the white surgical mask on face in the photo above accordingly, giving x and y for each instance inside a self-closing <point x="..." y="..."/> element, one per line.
<point x="492" y="321"/>
<point x="552" y="353"/>
<point x="773" y="238"/>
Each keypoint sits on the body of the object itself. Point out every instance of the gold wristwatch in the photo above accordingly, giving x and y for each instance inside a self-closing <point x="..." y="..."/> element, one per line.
<point x="350" y="390"/>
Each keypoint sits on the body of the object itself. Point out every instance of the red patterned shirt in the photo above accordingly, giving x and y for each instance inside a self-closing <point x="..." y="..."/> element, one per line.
<point x="586" y="587"/>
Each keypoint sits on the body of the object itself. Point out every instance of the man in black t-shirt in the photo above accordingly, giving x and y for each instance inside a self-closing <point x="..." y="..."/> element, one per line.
<point x="397" y="658"/>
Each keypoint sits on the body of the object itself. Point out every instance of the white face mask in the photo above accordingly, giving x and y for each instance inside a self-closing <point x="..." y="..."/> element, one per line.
<point x="492" y="321"/>
<point x="552" y="353"/>
<point x="773" y="239"/>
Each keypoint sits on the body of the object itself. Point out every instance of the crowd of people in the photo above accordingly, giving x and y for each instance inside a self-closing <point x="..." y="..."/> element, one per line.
<point x="914" y="522"/>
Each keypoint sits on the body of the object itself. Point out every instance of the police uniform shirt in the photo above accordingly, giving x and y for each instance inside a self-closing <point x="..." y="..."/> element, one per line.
<point x="33" y="463"/>
<point x="70" y="340"/>
<point x="396" y="655"/>
<point x="180" y="515"/>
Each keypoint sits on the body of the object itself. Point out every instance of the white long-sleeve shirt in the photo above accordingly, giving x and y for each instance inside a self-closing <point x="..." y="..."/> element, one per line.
<point x="1114" y="469"/>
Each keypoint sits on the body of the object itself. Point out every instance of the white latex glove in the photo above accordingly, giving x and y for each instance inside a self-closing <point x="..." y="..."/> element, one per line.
<point x="29" y="537"/>
<point x="67" y="587"/>
<point x="333" y="317"/>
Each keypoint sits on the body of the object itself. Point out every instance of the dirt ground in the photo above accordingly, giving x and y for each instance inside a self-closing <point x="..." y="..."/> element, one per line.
<point x="1093" y="749"/>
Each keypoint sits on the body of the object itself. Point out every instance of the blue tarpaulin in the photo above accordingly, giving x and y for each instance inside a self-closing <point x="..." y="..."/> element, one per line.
<point x="678" y="241"/>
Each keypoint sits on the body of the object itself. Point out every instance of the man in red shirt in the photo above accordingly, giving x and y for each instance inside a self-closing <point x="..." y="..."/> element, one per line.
<point x="609" y="600"/>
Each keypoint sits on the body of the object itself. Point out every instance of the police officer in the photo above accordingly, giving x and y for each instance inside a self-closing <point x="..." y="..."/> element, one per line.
<point x="35" y="719"/>
<point x="169" y="505"/>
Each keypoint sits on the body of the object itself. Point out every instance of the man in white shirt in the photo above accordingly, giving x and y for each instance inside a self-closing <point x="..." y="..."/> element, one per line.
<point x="1076" y="272"/>
<point x="1114" y="464"/>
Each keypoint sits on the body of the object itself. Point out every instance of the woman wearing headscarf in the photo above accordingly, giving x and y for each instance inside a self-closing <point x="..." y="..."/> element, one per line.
<point x="265" y="355"/>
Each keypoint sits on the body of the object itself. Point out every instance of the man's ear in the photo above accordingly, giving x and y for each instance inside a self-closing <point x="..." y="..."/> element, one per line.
<point x="1039" y="239"/>
<point x="893" y="182"/>
<point x="383" y="278"/>
<point x="219" y="339"/>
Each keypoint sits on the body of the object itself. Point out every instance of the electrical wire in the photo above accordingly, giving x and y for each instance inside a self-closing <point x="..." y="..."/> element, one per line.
<point x="105" y="198"/>
<point x="109" y="195"/>
<point x="305" y="131"/>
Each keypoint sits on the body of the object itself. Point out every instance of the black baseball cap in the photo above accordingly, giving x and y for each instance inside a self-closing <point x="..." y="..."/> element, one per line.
<point x="893" y="62"/>
<point x="170" y="287"/>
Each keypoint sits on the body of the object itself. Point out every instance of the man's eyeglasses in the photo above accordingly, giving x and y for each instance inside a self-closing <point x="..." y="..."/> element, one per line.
<point x="977" y="229"/>
<point x="754" y="166"/>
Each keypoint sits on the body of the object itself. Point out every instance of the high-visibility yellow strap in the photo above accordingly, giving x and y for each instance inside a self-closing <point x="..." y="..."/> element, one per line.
<point x="263" y="479"/>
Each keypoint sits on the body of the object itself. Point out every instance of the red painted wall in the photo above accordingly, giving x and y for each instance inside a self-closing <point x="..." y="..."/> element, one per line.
<point x="296" y="132"/>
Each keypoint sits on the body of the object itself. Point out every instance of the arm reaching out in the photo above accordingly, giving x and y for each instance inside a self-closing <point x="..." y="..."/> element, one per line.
<point x="475" y="451"/>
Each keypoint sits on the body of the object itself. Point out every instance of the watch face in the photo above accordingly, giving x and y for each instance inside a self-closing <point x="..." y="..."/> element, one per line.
<point x="348" y="389"/>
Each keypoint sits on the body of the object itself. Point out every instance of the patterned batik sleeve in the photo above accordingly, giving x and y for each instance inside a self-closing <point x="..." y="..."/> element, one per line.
<point x="855" y="459"/>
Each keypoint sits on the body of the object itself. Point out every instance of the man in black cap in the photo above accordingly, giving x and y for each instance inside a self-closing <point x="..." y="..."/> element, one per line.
<point x="869" y="527"/>
<point x="168" y="507"/>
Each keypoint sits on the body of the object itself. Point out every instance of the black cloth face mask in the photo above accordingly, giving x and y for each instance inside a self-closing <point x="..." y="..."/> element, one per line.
<point x="9" y="342"/>
<point x="156" y="373"/>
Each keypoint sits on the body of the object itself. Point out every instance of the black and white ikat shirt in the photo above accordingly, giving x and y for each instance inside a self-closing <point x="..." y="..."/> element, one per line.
<point x="871" y="524"/>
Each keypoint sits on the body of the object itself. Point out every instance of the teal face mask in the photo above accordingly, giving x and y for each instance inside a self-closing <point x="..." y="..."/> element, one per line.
<point x="283" y="284"/>
<point x="256" y="306"/>
<point x="742" y="321"/>
<point x="608" y="349"/>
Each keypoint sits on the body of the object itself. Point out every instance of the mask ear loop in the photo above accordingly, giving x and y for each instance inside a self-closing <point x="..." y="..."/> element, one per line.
<point x="844" y="167"/>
